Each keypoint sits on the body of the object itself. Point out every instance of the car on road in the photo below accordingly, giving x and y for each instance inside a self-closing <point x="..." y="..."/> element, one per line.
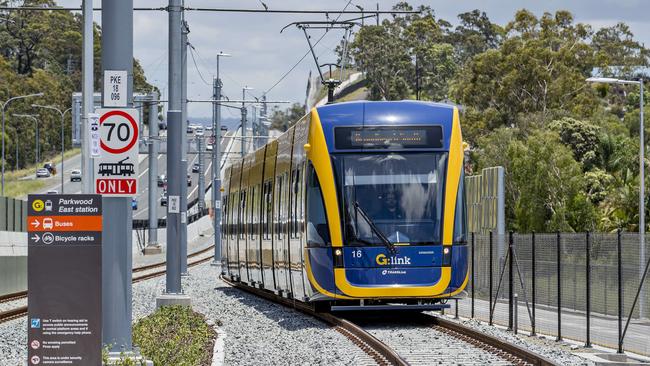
<point x="162" y="125"/>
<point x="75" y="175"/>
<point x="52" y="191"/>
<point x="196" y="168"/>
<point x="163" y="199"/>
<point x="224" y="128"/>
<point x="134" y="204"/>
<point x="189" y="129"/>
<point x="42" y="173"/>
<point x="189" y="180"/>
<point x="50" y="167"/>
<point x="208" y="147"/>
<point x="162" y="180"/>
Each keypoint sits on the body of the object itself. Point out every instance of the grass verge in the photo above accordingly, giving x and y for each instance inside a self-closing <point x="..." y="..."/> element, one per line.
<point x="15" y="187"/>
<point x="175" y="335"/>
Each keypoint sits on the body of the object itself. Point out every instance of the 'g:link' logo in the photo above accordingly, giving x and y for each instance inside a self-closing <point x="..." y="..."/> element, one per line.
<point x="382" y="260"/>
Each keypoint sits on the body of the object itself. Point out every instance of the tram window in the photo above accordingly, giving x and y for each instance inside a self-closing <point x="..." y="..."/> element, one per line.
<point x="317" y="229"/>
<point x="242" y="215"/>
<point x="224" y="218"/>
<point x="278" y="206"/>
<point x="267" y="219"/>
<point x="460" y="221"/>
<point x="232" y="221"/>
<point x="250" y="213"/>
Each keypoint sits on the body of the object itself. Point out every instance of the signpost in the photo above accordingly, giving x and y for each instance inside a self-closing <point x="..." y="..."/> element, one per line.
<point x="116" y="170"/>
<point x="115" y="83"/>
<point x="64" y="279"/>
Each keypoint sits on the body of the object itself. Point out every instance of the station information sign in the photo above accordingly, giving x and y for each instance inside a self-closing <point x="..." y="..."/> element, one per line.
<point x="116" y="169"/>
<point x="64" y="279"/>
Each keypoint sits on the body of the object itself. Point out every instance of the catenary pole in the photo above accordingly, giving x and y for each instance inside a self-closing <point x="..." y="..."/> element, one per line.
<point x="117" y="54"/>
<point x="154" y="145"/>
<point x="87" y="91"/>
<point x="174" y="144"/>
<point x="216" y="163"/>
<point x="184" y="31"/>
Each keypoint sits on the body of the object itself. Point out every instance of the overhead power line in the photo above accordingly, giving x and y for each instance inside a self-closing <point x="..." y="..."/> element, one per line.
<point x="308" y="51"/>
<point x="217" y="10"/>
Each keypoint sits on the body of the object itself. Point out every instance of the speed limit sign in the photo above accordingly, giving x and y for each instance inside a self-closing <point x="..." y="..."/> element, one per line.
<point x="116" y="171"/>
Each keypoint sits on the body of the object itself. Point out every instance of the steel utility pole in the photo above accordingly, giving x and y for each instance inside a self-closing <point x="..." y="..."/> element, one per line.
<point x="244" y="148"/>
<point x="173" y="292"/>
<point x="33" y="117"/>
<point x="216" y="163"/>
<point x="154" y="146"/>
<point x="642" y="248"/>
<point x="184" y="31"/>
<point x="201" y="180"/>
<point x="62" y="114"/>
<point x="87" y="92"/>
<point x="3" y="106"/>
<point x="117" y="54"/>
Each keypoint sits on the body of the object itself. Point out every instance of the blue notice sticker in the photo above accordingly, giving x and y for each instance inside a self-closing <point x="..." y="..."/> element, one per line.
<point x="36" y="322"/>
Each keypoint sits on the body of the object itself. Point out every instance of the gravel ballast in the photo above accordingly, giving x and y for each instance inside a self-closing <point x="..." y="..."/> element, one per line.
<point x="561" y="353"/>
<point x="258" y="332"/>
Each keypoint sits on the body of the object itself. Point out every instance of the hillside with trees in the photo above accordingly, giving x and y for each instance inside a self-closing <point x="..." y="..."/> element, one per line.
<point x="570" y="148"/>
<point x="40" y="51"/>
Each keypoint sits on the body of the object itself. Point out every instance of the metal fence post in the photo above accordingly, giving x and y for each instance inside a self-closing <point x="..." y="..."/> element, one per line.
<point x="588" y="289"/>
<point x="473" y="258"/>
<point x="559" y="286"/>
<point x="619" y="260"/>
<point x="532" y="245"/>
<point x="491" y="277"/>
<point x="516" y="322"/>
<point x="456" y="310"/>
<point x="510" y="282"/>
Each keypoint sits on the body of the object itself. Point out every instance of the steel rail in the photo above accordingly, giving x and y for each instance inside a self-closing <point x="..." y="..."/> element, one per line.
<point x="22" y="310"/>
<point x="373" y="347"/>
<point x="511" y="352"/>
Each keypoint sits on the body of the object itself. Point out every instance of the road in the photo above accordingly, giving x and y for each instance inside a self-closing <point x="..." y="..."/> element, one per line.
<point x="54" y="182"/>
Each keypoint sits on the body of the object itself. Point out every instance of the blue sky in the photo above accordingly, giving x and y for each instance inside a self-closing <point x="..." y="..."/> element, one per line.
<point x="261" y="54"/>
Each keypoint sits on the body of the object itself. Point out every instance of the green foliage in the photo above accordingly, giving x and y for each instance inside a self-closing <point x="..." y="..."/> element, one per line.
<point x="41" y="52"/>
<point x="569" y="149"/>
<point x="174" y="335"/>
<point x="581" y="137"/>
<point x="281" y="120"/>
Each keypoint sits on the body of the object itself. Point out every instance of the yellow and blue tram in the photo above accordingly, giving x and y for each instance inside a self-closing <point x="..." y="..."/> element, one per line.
<point x="358" y="205"/>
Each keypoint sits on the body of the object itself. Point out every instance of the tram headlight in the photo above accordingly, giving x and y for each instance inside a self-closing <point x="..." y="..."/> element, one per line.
<point x="446" y="255"/>
<point x="338" y="258"/>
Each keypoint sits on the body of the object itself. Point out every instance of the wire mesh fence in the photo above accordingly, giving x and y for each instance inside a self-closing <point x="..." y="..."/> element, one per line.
<point x="580" y="286"/>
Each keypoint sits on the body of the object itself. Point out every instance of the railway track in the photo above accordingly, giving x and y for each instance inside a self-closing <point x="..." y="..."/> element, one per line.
<point x="373" y="347"/>
<point x="386" y="346"/>
<point x="20" y="311"/>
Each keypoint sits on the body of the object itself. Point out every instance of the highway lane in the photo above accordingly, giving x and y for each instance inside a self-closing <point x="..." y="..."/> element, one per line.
<point x="143" y="199"/>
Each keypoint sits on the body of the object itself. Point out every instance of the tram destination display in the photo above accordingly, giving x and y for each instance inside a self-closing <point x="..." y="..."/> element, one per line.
<point x="64" y="279"/>
<point x="383" y="137"/>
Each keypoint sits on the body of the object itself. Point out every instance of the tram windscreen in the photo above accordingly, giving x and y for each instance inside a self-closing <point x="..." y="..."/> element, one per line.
<point x="401" y="194"/>
<point x="388" y="137"/>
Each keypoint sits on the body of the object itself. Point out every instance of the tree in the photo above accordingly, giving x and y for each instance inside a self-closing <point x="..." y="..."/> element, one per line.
<point x="581" y="137"/>
<point x="474" y="35"/>
<point x="281" y="120"/>
<point x="540" y="67"/>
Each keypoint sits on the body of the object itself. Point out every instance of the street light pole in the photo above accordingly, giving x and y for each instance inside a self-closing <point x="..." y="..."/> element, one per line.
<point x="243" y="121"/>
<point x="36" y="159"/>
<point x="4" y="106"/>
<point x="62" y="114"/>
<point x="642" y="254"/>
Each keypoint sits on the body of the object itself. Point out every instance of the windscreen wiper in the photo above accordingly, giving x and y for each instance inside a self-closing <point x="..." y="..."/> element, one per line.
<point x="375" y="229"/>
